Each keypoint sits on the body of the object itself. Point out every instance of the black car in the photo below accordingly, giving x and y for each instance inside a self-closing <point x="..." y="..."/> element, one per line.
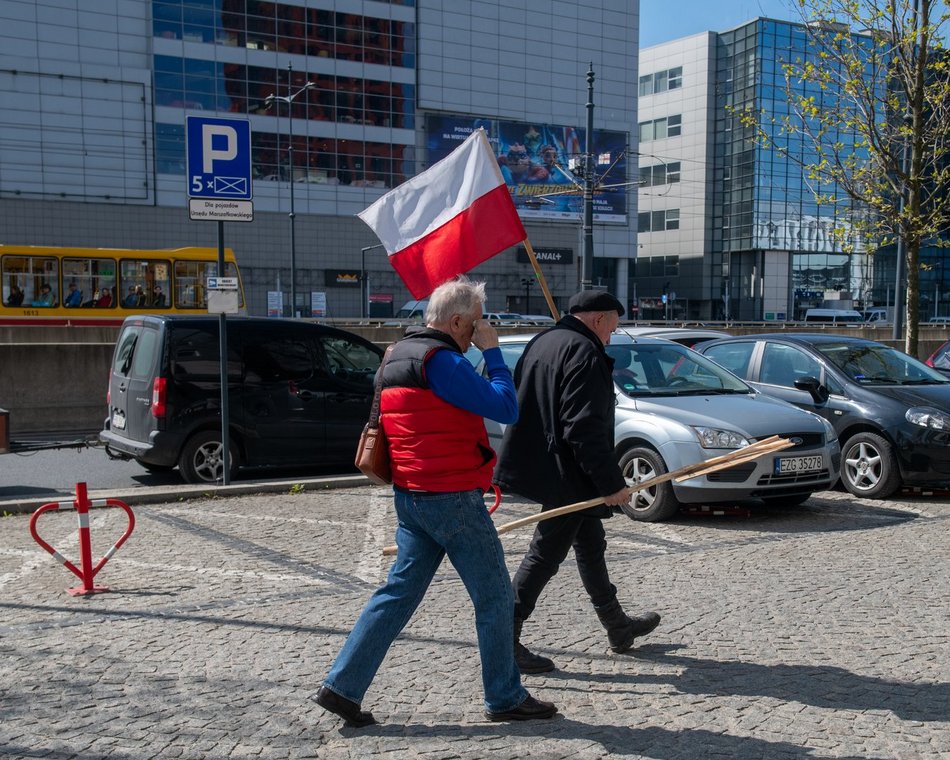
<point x="940" y="359"/>
<point x="891" y="411"/>
<point x="298" y="394"/>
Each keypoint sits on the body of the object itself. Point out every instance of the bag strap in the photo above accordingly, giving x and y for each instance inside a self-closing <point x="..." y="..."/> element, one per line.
<point x="374" y="410"/>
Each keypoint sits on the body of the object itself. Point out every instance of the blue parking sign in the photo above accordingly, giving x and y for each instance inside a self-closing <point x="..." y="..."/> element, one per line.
<point x="219" y="158"/>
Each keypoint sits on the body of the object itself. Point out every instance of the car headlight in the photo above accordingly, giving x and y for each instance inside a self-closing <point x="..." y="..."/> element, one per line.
<point x="928" y="417"/>
<point x="716" y="438"/>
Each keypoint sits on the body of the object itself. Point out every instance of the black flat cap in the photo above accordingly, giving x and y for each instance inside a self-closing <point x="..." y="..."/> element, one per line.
<point x="594" y="300"/>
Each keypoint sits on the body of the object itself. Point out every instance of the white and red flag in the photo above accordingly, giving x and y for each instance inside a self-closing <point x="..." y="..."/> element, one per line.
<point x="448" y="219"/>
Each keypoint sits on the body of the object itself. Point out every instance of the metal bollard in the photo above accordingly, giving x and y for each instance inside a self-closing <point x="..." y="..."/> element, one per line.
<point x="87" y="571"/>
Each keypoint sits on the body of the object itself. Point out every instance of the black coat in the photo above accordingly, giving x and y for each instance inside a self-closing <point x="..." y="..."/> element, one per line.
<point x="561" y="449"/>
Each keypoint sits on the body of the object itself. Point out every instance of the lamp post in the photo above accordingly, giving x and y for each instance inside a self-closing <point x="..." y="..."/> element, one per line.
<point x="364" y="280"/>
<point x="587" y="261"/>
<point x="289" y="98"/>
<point x="526" y="283"/>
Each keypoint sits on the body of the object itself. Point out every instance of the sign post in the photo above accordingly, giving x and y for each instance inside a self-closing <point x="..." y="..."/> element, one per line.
<point x="220" y="189"/>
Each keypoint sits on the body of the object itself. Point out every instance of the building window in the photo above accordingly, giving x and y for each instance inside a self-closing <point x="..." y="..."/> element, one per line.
<point x="646" y="85"/>
<point x="658" y="221"/>
<point x="674" y="125"/>
<point x="658" y="129"/>
<point x="661" y="81"/>
<point x="676" y="78"/>
<point x="203" y="85"/>
<point x="660" y="174"/>
<point x="288" y="28"/>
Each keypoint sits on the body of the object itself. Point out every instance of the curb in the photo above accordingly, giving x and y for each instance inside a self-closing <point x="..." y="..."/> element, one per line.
<point x="161" y="494"/>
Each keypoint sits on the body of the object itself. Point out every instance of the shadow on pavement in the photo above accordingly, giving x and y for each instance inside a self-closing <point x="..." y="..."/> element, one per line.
<point x="654" y="742"/>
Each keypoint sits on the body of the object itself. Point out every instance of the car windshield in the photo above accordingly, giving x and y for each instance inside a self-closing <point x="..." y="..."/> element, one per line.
<point x="877" y="364"/>
<point x="650" y="369"/>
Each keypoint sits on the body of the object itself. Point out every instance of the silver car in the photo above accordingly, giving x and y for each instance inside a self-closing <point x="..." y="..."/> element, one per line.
<point x="677" y="408"/>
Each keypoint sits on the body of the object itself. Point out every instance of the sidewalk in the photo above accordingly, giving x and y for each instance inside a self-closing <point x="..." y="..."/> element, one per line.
<point x="818" y="632"/>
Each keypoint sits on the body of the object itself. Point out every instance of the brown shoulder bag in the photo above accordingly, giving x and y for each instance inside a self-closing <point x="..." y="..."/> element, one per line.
<point x="372" y="453"/>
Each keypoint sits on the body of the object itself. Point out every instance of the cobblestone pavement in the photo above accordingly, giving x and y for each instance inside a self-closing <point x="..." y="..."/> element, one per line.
<point x="814" y="632"/>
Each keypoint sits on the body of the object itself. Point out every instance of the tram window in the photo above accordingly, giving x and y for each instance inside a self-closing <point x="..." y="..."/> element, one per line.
<point x="190" y="279"/>
<point x="147" y="281"/>
<point x="90" y="276"/>
<point x="29" y="274"/>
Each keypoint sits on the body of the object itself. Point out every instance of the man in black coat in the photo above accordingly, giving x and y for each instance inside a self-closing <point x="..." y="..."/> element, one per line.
<point x="561" y="451"/>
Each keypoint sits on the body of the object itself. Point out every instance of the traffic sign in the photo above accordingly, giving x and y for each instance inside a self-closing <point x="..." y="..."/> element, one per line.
<point x="222" y="283"/>
<point x="219" y="158"/>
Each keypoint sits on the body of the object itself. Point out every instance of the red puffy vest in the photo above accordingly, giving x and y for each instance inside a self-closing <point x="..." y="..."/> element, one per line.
<point x="434" y="446"/>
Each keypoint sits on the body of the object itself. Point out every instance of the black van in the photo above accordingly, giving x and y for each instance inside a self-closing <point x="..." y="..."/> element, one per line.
<point x="299" y="394"/>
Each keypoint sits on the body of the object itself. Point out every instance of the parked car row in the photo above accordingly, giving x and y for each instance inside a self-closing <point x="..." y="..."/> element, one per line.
<point x="300" y="394"/>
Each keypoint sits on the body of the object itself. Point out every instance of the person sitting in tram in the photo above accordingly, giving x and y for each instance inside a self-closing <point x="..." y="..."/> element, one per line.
<point x="73" y="297"/>
<point x="16" y="296"/>
<point x="105" y="299"/>
<point x="45" y="299"/>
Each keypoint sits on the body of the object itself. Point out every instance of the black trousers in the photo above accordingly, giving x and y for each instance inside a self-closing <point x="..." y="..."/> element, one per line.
<point x="549" y="547"/>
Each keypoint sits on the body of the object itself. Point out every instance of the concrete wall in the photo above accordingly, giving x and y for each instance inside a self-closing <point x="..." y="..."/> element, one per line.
<point x="54" y="386"/>
<point x="55" y="379"/>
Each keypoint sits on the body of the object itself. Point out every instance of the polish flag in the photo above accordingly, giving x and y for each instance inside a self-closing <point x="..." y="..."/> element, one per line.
<point x="448" y="219"/>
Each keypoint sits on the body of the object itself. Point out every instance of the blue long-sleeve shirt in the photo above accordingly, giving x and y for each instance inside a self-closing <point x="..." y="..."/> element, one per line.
<point x="453" y="379"/>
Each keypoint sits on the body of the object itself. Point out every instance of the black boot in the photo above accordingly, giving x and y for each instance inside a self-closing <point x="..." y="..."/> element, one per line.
<point x="621" y="629"/>
<point x="527" y="661"/>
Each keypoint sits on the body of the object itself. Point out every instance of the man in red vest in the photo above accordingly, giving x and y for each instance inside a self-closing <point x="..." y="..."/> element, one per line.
<point x="432" y="407"/>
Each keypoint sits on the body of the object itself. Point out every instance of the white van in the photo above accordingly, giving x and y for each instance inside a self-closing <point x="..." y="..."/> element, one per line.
<point x="413" y="310"/>
<point x="834" y="316"/>
<point x="876" y="315"/>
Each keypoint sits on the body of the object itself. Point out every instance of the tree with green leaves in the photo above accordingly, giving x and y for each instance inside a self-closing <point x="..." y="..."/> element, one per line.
<point x="869" y="119"/>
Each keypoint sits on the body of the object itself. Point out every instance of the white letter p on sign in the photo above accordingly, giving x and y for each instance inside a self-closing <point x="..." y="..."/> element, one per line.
<point x="209" y="154"/>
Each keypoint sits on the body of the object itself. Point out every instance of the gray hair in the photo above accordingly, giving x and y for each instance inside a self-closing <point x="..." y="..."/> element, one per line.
<point x="458" y="296"/>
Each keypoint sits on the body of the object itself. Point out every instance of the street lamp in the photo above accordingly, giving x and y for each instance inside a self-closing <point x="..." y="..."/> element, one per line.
<point x="289" y="98"/>
<point x="526" y="283"/>
<point x="364" y="280"/>
<point x="587" y="261"/>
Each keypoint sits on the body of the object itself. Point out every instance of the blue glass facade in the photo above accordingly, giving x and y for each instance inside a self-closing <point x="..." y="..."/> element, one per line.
<point x="199" y="83"/>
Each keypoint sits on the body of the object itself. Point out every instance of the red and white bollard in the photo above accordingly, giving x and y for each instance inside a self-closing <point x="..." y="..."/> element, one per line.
<point x="81" y="504"/>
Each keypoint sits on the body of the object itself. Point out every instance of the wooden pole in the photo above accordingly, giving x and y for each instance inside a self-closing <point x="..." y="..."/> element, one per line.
<point x="745" y="454"/>
<point x="541" y="281"/>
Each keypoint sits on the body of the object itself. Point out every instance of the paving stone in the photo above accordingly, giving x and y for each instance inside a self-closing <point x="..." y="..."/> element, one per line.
<point x="817" y="632"/>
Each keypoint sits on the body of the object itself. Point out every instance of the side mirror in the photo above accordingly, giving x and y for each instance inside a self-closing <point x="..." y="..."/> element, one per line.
<point x="811" y="385"/>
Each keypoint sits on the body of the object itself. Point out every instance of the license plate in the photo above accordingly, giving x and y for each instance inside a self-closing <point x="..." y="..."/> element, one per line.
<point x="118" y="421"/>
<point x="785" y="465"/>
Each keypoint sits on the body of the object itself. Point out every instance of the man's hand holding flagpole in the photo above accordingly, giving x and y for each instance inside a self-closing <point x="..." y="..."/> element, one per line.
<point x="746" y="454"/>
<point x="449" y="219"/>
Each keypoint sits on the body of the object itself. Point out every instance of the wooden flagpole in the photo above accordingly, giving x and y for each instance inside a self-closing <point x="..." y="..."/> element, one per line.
<point x="540" y="275"/>
<point x="745" y="454"/>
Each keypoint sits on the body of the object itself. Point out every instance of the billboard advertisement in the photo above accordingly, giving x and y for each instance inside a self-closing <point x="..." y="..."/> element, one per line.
<point x="534" y="161"/>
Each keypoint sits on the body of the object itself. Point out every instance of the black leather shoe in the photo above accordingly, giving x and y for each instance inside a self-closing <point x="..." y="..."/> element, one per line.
<point x="528" y="662"/>
<point x="530" y="709"/>
<point x="349" y="711"/>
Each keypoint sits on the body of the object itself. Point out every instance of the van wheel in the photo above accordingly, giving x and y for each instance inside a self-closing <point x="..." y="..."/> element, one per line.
<point x="201" y="459"/>
<point x="869" y="467"/>
<point x="653" y="504"/>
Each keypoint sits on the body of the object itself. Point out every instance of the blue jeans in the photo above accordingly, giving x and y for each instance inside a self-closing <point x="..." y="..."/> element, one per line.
<point x="431" y="526"/>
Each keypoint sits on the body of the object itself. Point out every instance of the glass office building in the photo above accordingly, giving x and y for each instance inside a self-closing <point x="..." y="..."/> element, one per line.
<point x="750" y="240"/>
